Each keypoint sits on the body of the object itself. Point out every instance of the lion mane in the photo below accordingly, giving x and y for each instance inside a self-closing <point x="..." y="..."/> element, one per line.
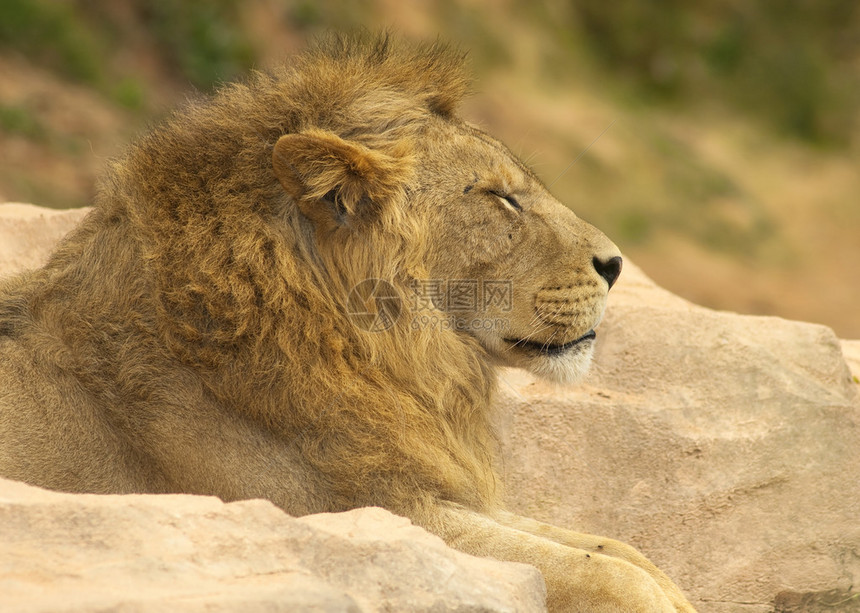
<point x="196" y="253"/>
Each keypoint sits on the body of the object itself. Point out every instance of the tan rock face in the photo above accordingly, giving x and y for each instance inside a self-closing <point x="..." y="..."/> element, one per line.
<point x="851" y="351"/>
<point x="193" y="553"/>
<point x="28" y="234"/>
<point x="725" y="447"/>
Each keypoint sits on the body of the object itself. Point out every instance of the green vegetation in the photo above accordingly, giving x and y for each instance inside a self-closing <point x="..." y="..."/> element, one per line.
<point x="313" y="16"/>
<point x="202" y="39"/>
<point x="21" y="121"/>
<point x="129" y="93"/>
<point x="52" y="34"/>
<point x="791" y="63"/>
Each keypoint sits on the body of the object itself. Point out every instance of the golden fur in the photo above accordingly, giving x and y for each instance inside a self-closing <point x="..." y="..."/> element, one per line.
<point x="192" y="335"/>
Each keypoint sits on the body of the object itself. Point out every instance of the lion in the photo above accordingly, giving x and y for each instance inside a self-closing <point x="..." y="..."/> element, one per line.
<point x="204" y="330"/>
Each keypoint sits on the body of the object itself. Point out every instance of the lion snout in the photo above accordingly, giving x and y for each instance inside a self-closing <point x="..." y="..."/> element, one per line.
<point x="568" y="305"/>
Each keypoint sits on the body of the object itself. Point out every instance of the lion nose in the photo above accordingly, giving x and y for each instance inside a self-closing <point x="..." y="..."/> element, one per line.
<point x="608" y="269"/>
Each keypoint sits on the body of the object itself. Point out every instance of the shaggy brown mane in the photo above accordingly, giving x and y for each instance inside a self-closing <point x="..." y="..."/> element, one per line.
<point x="240" y="289"/>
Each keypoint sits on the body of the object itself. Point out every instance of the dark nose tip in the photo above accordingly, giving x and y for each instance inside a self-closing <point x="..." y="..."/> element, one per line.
<point x="609" y="270"/>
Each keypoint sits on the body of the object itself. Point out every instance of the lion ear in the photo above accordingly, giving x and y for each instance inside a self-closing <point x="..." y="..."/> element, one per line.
<point x="330" y="177"/>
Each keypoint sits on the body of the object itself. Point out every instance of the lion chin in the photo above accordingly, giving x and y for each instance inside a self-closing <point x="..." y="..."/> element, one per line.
<point x="566" y="363"/>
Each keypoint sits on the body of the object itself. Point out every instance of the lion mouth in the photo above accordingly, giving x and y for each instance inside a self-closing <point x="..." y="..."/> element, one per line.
<point x="548" y="349"/>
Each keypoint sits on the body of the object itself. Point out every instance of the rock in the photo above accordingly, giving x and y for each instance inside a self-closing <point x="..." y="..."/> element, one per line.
<point x="29" y="233"/>
<point x="851" y="351"/>
<point x="194" y="553"/>
<point x="725" y="447"/>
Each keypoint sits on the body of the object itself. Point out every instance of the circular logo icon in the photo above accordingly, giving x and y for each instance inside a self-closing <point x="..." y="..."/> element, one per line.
<point x="374" y="305"/>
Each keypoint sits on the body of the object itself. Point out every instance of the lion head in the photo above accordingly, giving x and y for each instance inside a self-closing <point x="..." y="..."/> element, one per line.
<point x="495" y="256"/>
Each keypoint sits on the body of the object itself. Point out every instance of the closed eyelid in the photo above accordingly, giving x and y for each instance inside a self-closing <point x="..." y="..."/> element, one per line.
<point x="511" y="200"/>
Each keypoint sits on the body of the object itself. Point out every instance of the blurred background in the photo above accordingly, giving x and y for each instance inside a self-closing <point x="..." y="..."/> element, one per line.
<point x="730" y="169"/>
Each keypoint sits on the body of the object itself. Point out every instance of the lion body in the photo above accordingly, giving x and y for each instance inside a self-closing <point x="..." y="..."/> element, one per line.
<point x="191" y="335"/>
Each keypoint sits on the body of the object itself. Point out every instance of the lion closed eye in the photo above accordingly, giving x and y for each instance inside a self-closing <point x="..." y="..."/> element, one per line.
<point x="301" y="290"/>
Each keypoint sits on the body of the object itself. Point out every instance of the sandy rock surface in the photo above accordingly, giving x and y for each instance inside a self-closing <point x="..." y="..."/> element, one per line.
<point x="28" y="234"/>
<point x="726" y="447"/>
<point x="64" y="552"/>
<point x="851" y="351"/>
